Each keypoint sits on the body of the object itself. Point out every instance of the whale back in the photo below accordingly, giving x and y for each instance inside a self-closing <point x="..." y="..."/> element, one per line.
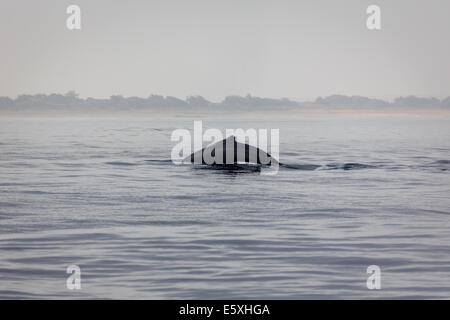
<point x="230" y="151"/>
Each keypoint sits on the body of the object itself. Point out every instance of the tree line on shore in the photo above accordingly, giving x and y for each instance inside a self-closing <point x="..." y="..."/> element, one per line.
<point x="72" y="100"/>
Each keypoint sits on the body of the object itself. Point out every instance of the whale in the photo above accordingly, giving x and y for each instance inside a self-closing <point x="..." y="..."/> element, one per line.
<point x="231" y="152"/>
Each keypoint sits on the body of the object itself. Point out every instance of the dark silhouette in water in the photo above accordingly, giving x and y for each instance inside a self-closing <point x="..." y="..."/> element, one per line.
<point x="242" y="153"/>
<point x="244" y="157"/>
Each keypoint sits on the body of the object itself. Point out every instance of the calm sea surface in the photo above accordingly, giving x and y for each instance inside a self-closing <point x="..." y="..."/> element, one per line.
<point x="102" y="193"/>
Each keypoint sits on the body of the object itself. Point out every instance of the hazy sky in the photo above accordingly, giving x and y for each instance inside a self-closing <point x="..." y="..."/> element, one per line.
<point x="295" y="49"/>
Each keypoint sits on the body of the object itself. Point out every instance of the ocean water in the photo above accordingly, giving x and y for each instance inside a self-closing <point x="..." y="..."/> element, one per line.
<point x="102" y="193"/>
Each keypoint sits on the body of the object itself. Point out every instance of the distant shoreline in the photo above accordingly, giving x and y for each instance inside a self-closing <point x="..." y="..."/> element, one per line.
<point x="243" y="113"/>
<point x="71" y="102"/>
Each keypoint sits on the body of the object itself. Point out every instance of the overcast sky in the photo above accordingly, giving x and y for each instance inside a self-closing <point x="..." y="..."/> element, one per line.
<point x="295" y="49"/>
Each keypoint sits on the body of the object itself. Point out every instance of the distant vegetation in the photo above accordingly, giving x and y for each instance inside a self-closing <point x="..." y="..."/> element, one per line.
<point x="359" y="101"/>
<point x="71" y="101"/>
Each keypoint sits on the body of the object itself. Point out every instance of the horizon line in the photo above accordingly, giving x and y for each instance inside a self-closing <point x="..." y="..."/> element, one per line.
<point x="74" y="94"/>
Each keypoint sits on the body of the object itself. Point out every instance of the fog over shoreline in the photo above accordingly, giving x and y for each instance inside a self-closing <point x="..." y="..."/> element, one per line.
<point x="72" y="102"/>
